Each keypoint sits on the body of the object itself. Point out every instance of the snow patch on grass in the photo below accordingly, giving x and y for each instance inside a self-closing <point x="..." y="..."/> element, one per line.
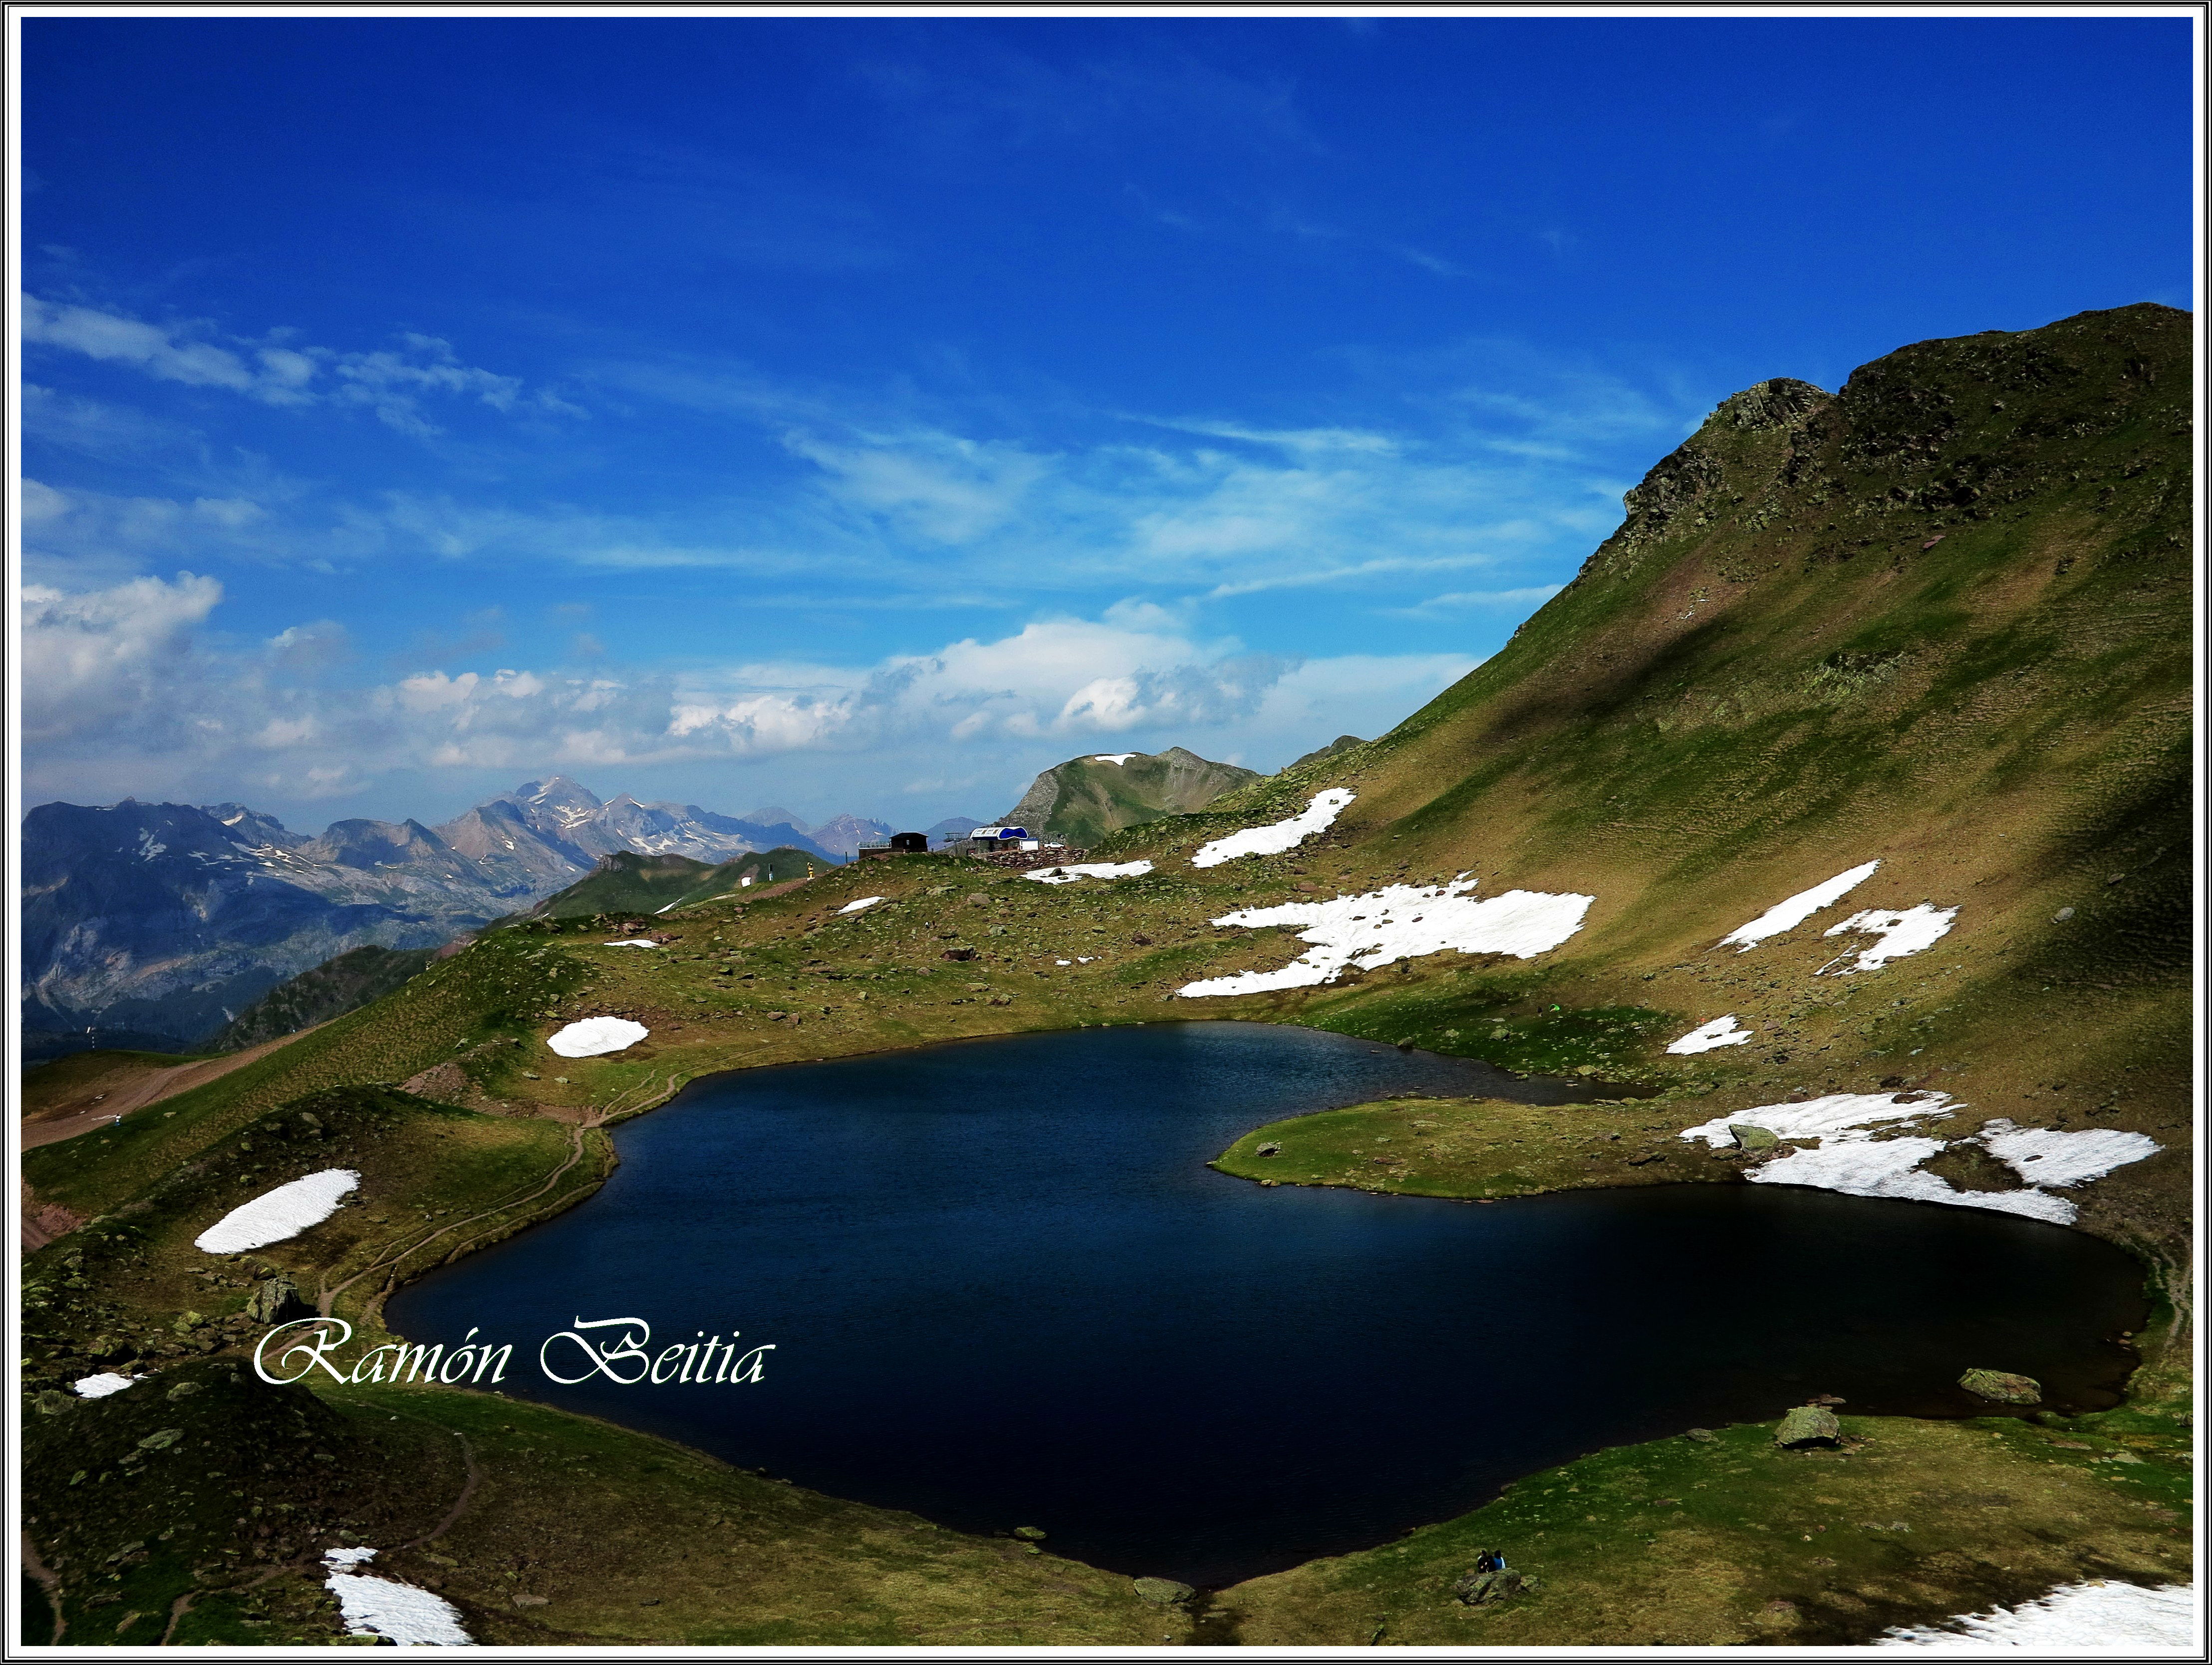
<point x="1112" y="757"/>
<point x="1721" y="1032"/>
<point x="590" y="1037"/>
<point x="1848" y="1157"/>
<point x="106" y="1383"/>
<point x="1901" y="933"/>
<point x="855" y="907"/>
<point x="1841" y="1114"/>
<point x="276" y="1215"/>
<point x="2043" y="1156"/>
<point x="632" y="942"/>
<point x="2117" y="1618"/>
<point x="1891" y="1168"/>
<point x="384" y="1607"/>
<point x="1083" y="870"/>
<point x="1788" y="915"/>
<point x="1278" y="836"/>
<point x="1401" y="922"/>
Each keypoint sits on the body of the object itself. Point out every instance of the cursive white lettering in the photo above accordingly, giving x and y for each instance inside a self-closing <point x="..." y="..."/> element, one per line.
<point x="315" y="1346"/>
<point x="602" y="1358"/>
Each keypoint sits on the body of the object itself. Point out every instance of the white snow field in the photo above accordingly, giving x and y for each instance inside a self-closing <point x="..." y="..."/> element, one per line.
<point x="276" y="1215"/>
<point x="632" y="942"/>
<point x="384" y="1607"/>
<point x="2120" y="1619"/>
<point x="1401" y="922"/>
<point x="1112" y="757"/>
<point x="2043" y="1156"/>
<point x="1849" y="1157"/>
<point x="1787" y="915"/>
<point x="1083" y="870"/>
<point x="1721" y="1032"/>
<point x="855" y="907"/>
<point x="98" y="1387"/>
<point x="1278" y="836"/>
<point x="1901" y="933"/>
<point x="589" y="1036"/>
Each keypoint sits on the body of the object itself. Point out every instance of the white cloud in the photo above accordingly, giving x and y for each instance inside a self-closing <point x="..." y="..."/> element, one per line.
<point x="1532" y="595"/>
<point x="124" y="698"/>
<point x="938" y="486"/>
<point x="92" y="660"/>
<point x="387" y="382"/>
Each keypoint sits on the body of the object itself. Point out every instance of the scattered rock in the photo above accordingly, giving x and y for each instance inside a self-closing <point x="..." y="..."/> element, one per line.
<point x="1702" y="1436"/>
<point x="275" y="1299"/>
<point x="1270" y="1148"/>
<point x="530" y="1600"/>
<point x="52" y="1402"/>
<point x="1808" y="1426"/>
<point x="1748" y="1137"/>
<point x="958" y="954"/>
<point x="1491" y="1581"/>
<point x="1034" y="1533"/>
<point x="1161" y="1592"/>
<point x="2004" y="1386"/>
<point x="1825" y="1399"/>
<point x="2062" y="916"/>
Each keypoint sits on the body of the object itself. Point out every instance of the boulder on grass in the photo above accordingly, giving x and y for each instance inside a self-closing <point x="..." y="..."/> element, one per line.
<point x="2002" y="1385"/>
<point x="1808" y="1426"/>
<point x="1477" y="1588"/>
<point x="1748" y="1137"/>
<point x="1163" y="1592"/>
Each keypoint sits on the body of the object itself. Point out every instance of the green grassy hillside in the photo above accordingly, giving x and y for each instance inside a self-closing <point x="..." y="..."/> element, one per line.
<point x="1939" y="619"/>
<point x="329" y="990"/>
<point x="626" y="883"/>
<point x="1080" y="801"/>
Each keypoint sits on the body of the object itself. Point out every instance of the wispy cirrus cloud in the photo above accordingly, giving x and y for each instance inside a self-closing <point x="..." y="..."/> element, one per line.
<point x="1534" y="595"/>
<point x="390" y="382"/>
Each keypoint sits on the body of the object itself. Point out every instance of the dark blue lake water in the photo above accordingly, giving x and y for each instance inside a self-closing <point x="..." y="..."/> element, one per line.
<point x="1005" y="1290"/>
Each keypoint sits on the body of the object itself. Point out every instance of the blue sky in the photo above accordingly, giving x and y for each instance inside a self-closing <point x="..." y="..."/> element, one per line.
<point x="863" y="413"/>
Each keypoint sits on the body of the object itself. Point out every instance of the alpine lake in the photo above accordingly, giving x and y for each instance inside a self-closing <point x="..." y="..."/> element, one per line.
<point x="1002" y="1289"/>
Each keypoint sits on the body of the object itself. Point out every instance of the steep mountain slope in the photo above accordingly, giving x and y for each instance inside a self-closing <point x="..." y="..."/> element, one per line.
<point x="168" y="920"/>
<point x="1083" y="799"/>
<point x="324" y="992"/>
<point x="1940" y="620"/>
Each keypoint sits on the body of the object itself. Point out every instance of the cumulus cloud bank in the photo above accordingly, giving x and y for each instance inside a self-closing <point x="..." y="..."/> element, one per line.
<point x="123" y="688"/>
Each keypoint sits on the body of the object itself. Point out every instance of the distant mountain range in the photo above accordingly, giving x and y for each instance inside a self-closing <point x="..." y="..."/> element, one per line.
<point x="160" y="926"/>
<point x="155" y="925"/>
